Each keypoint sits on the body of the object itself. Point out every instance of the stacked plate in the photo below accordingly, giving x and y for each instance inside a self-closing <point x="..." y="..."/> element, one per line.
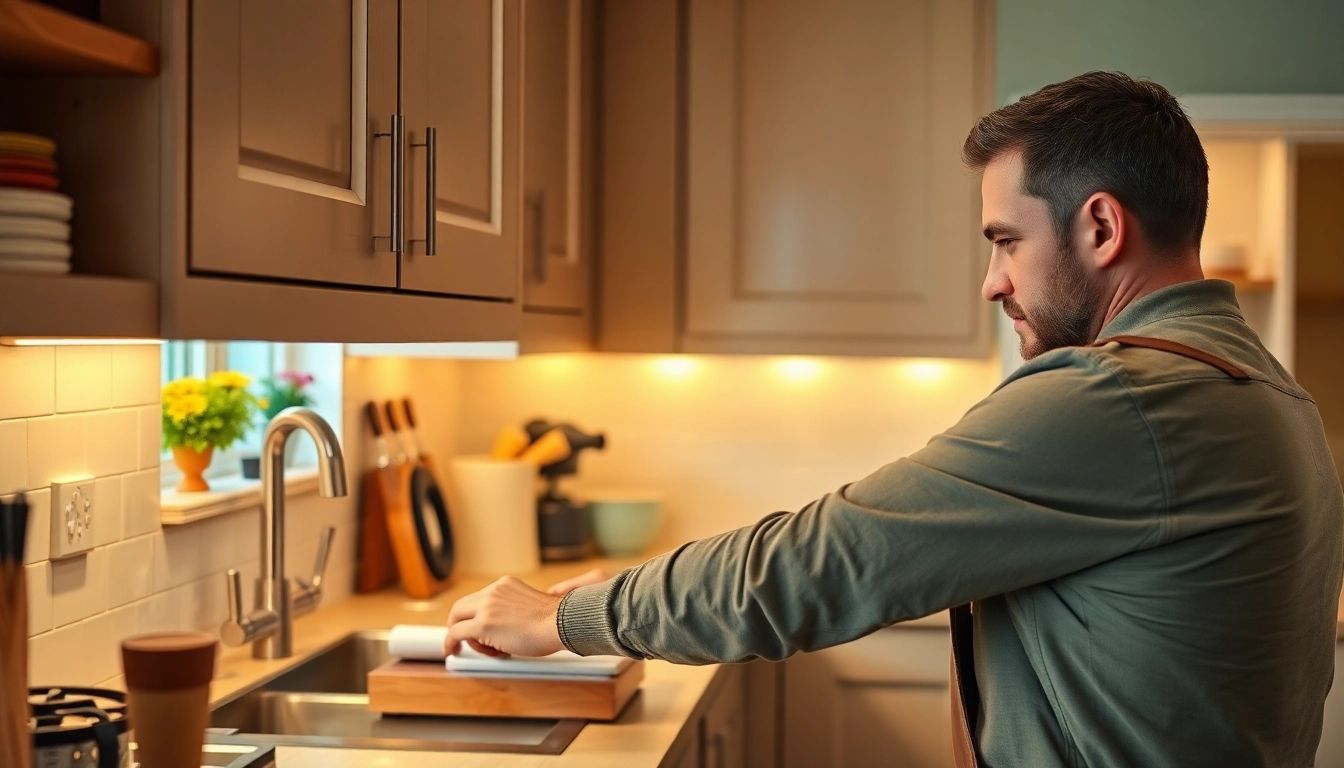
<point x="34" y="217"/>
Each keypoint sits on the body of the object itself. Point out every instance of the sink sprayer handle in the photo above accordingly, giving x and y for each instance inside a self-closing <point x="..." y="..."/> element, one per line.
<point x="323" y="552"/>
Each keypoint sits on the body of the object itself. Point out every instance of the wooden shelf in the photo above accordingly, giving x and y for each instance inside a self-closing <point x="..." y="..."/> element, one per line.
<point x="78" y="306"/>
<point x="40" y="40"/>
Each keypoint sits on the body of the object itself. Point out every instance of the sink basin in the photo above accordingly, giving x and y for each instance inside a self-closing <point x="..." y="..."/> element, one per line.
<point x="237" y="756"/>
<point x="324" y="702"/>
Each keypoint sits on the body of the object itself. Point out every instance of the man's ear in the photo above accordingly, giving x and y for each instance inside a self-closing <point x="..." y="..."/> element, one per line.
<point x="1101" y="225"/>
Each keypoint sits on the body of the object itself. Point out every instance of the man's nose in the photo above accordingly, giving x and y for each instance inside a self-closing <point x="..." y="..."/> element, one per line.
<point x="996" y="284"/>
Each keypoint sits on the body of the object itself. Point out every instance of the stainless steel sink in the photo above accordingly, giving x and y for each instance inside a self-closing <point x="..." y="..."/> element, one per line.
<point x="324" y="702"/>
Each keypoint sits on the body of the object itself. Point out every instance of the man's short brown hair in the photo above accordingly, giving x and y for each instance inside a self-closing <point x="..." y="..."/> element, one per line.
<point x="1104" y="132"/>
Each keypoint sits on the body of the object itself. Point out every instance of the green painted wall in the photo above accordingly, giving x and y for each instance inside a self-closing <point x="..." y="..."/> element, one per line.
<point x="1189" y="46"/>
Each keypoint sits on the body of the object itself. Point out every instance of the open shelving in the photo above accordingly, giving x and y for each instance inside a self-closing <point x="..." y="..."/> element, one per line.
<point x="41" y="40"/>
<point x="71" y="305"/>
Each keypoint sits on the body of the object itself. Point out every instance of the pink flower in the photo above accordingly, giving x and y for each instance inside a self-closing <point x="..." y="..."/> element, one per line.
<point x="295" y="378"/>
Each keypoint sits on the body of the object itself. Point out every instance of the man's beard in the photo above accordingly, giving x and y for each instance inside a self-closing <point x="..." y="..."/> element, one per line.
<point x="1066" y="312"/>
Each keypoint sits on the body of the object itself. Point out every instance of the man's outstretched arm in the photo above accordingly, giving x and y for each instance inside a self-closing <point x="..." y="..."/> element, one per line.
<point x="1055" y="472"/>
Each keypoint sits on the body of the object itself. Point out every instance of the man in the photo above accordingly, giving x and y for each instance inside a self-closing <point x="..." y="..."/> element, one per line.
<point x="1150" y="531"/>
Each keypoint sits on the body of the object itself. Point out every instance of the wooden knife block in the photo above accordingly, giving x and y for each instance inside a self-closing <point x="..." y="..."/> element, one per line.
<point x="428" y="688"/>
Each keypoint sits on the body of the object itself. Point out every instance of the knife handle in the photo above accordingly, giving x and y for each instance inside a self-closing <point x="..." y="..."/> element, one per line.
<point x="393" y="418"/>
<point x="410" y="413"/>
<point x="375" y="418"/>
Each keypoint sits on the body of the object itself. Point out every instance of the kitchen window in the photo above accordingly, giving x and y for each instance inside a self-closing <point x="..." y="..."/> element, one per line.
<point x="258" y="360"/>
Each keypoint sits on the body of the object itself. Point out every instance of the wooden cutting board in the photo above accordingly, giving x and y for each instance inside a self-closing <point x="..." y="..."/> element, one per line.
<point x="428" y="688"/>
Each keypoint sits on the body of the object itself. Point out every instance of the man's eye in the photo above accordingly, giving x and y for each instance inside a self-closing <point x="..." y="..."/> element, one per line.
<point x="1004" y="242"/>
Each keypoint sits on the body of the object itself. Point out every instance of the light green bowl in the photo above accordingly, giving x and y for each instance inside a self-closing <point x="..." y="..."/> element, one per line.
<point x="623" y="524"/>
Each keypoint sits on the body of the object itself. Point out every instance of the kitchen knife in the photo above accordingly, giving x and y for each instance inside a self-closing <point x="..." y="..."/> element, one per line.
<point x="394" y="425"/>
<point x="411" y="429"/>
<point x="376" y="423"/>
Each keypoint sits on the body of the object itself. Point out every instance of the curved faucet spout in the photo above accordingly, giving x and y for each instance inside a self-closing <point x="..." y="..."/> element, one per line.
<point x="275" y="596"/>
<point x="330" y="459"/>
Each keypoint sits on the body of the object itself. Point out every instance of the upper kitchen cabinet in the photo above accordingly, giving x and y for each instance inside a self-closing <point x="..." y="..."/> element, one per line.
<point x="460" y="75"/>
<point x="558" y="69"/>
<point x="789" y="180"/>
<point x="270" y="182"/>
<point x="290" y="177"/>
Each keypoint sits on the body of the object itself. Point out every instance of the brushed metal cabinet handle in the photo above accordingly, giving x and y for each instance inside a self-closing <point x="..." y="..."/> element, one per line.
<point x="398" y="136"/>
<point x="431" y="145"/>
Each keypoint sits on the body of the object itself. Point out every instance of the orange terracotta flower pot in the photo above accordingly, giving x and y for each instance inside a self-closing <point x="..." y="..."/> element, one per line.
<point x="192" y="463"/>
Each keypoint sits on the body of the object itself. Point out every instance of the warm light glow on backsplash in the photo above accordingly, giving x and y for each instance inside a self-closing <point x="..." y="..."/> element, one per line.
<point x="726" y="438"/>
<point x="799" y="368"/>
<point x="925" y="371"/>
<point x="676" y="367"/>
<point x="560" y="364"/>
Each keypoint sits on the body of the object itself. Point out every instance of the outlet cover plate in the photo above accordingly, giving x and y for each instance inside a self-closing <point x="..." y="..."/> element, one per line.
<point x="72" y="516"/>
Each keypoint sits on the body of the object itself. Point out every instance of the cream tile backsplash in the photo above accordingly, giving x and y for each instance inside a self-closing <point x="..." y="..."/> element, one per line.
<point x="30" y="381"/>
<point x="73" y="412"/>
<point x="13" y="456"/>
<point x="83" y="378"/>
<point x="725" y="439"/>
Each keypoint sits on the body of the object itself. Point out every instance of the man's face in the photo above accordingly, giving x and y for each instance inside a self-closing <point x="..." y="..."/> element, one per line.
<point x="1049" y="292"/>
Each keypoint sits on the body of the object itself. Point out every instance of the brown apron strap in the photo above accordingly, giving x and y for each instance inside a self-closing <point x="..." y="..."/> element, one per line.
<point x="965" y="692"/>
<point x="1178" y="349"/>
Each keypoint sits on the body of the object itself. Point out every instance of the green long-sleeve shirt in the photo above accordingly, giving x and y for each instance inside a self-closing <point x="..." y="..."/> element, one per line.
<point x="1154" y="548"/>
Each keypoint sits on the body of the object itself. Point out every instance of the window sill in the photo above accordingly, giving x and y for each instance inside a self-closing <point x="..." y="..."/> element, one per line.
<point x="228" y="494"/>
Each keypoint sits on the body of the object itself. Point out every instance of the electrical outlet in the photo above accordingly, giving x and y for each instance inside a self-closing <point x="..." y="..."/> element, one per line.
<point x="72" y="516"/>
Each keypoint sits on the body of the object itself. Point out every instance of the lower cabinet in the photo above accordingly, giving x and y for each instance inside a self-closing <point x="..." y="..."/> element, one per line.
<point x="880" y="700"/>
<point x="685" y="753"/>
<point x="716" y="736"/>
<point x="725" y="724"/>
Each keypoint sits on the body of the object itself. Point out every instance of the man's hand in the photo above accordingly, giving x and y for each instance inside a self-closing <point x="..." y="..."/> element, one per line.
<point x="506" y="618"/>
<point x="595" y="576"/>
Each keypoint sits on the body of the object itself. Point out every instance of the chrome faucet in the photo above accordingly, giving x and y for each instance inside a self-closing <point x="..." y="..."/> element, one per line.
<point x="270" y="628"/>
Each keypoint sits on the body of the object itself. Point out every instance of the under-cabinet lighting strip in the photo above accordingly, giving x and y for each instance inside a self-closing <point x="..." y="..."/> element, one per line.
<point x="39" y="341"/>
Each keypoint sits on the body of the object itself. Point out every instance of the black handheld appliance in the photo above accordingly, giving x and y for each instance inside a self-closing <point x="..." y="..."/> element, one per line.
<point x="561" y="524"/>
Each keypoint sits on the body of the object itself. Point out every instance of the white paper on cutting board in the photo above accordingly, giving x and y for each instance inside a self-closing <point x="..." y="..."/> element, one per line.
<point x="560" y="664"/>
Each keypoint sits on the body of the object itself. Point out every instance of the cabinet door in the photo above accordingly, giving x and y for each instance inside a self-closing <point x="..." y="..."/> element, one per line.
<point x="460" y="75"/>
<point x="827" y="201"/>
<point x="883" y="700"/>
<point x="726" y="724"/>
<point x="556" y="150"/>
<point x="685" y="751"/>
<point x="287" y="178"/>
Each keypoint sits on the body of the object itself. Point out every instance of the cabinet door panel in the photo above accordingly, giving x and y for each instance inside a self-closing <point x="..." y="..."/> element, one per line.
<point x="460" y="75"/>
<point x="883" y="700"/>
<point x="556" y="135"/>
<point x="287" y="180"/>
<point x="725" y="722"/>
<point x="827" y="199"/>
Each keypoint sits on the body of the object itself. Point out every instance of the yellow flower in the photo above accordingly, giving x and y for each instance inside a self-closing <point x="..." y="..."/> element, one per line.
<point x="228" y="380"/>
<point x="263" y="403"/>
<point x="187" y="385"/>
<point x="186" y="406"/>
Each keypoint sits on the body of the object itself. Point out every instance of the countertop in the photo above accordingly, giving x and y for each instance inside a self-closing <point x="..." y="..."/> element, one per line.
<point x="640" y="737"/>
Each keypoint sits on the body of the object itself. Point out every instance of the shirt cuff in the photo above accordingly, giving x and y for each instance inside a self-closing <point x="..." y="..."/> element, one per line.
<point x="585" y="621"/>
